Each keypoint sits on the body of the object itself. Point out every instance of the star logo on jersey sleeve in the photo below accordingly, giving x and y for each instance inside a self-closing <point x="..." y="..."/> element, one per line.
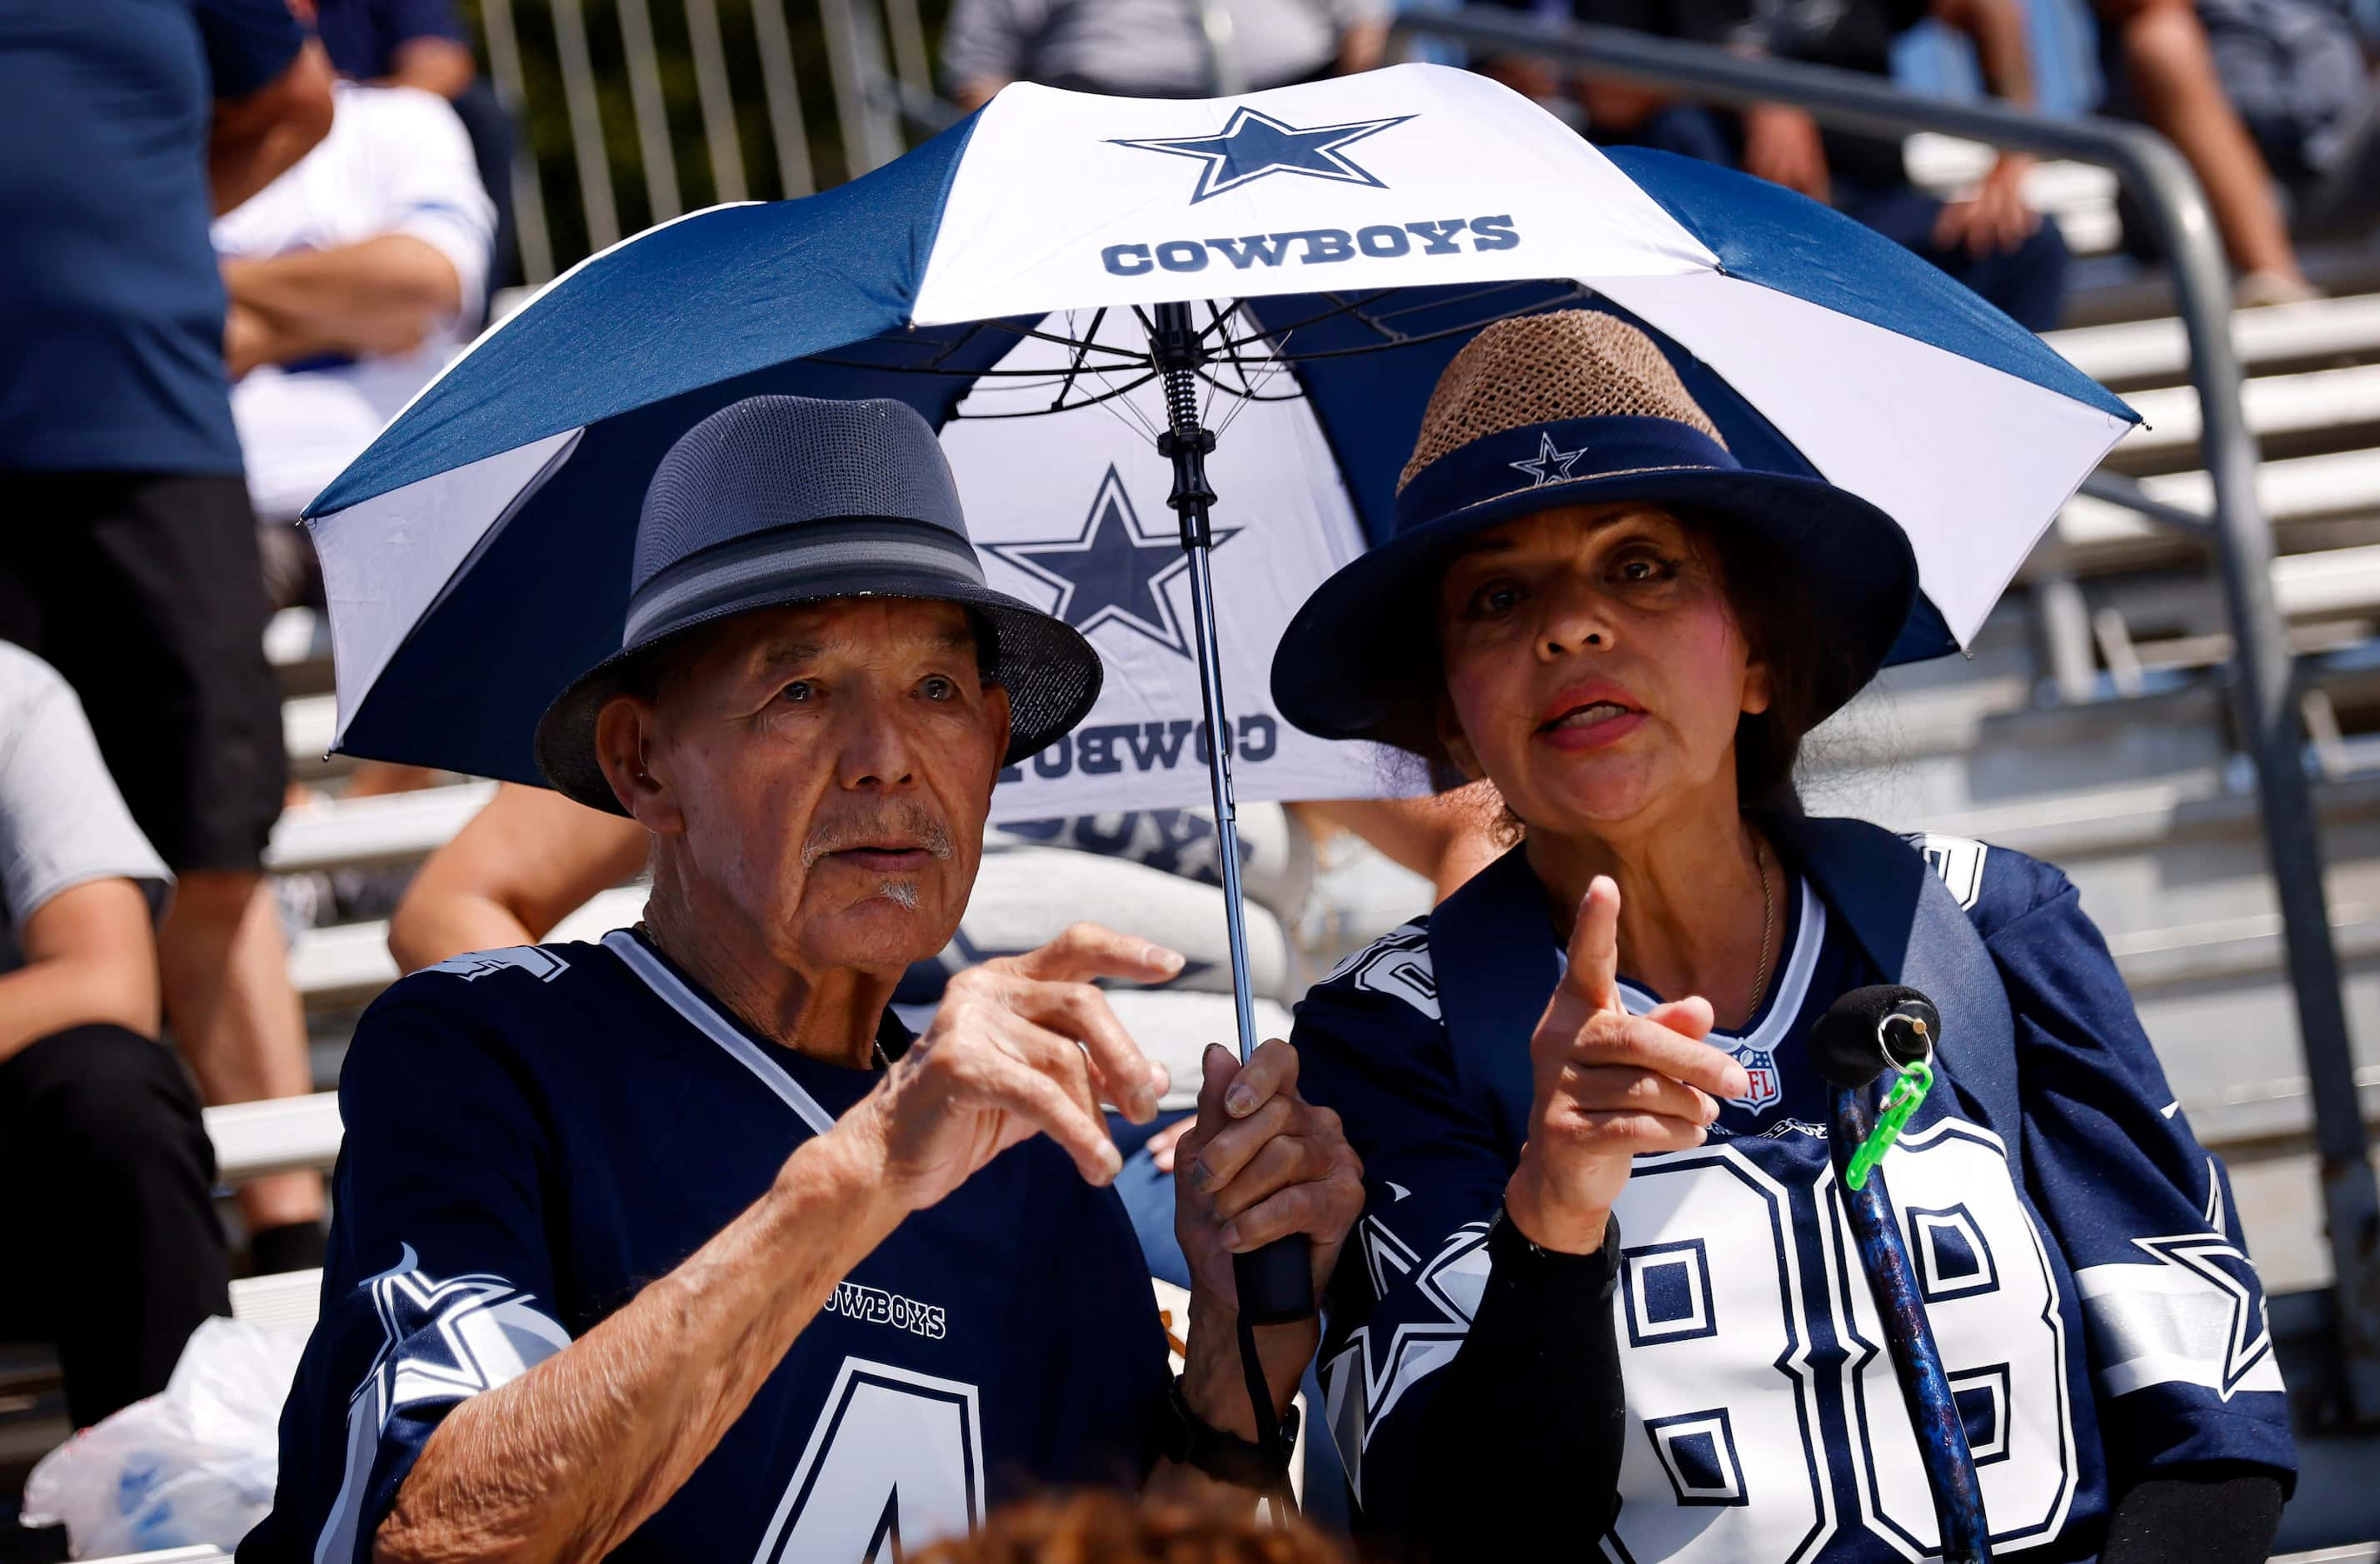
<point x="1548" y="465"/>
<point x="445" y="1341"/>
<point x="1253" y="144"/>
<point x="2196" y="1317"/>
<point x="2214" y="1259"/>
<point x="1112" y="571"/>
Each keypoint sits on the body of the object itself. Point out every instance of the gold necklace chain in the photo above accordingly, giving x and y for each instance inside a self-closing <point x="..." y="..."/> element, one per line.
<point x="1767" y="924"/>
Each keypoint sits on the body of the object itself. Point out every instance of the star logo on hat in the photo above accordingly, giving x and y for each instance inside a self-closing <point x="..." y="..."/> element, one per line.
<point x="1548" y="465"/>
<point x="1112" y="572"/>
<point x="1253" y="144"/>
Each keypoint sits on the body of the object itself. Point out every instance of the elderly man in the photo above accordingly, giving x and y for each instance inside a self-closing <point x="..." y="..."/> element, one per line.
<point x="677" y="1246"/>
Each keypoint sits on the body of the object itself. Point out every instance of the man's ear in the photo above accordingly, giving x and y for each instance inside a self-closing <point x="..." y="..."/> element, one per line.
<point x="626" y="749"/>
<point x="999" y="717"/>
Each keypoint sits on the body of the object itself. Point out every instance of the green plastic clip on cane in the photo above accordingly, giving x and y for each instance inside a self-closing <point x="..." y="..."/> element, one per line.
<point x="1917" y="1080"/>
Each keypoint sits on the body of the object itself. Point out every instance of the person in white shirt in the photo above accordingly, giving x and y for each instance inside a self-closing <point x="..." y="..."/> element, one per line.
<point x="115" y="1251"/>
<point x="352" y="280"/>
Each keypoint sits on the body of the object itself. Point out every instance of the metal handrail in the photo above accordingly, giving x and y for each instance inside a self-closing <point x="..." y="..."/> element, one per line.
<point x="2263" y="679"/>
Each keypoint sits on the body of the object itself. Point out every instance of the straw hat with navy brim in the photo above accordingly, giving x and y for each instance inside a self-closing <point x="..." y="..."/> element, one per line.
<point x="1571" y="408"/>
<point x="776" y="501"/>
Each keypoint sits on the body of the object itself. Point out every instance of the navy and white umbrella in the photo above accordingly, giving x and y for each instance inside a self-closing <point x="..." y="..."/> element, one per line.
<point x="1313" y="255"/>
<point x="1351" y="233"/>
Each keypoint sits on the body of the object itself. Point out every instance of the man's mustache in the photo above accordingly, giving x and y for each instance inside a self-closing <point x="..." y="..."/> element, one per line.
<point x="910" y="824"/>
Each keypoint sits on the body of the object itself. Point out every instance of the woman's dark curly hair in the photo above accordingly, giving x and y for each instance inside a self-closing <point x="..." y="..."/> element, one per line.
<point x="1809" y="672"/>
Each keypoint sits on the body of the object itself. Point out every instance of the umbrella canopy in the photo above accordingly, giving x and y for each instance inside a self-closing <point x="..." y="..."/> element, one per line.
<point x="1351" y="234"/>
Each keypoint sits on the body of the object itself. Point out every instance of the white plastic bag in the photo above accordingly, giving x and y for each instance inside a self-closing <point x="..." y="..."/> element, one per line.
<point x="193" y="1464"/>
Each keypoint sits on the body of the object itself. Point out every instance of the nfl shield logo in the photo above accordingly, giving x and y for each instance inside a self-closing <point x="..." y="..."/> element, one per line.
<point x="1760" y="1064"/>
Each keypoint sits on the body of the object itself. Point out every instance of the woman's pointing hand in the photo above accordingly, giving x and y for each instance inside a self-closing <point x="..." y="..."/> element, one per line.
<point x="1608" y="1086"/>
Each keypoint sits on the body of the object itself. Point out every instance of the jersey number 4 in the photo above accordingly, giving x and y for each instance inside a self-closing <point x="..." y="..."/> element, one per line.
<point x="896" y="1460"/>
<point x="1731" y="1397"/>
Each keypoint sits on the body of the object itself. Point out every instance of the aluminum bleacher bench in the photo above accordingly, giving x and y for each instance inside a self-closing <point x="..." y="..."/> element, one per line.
<point x="346" y="965"/>
<point x="307" y="724"/>
<point x="390" y="827"/>
<point x="298" y="638"/>
<point x="2305" y="403"/>
<point x="254" y="1139"/>
<point x="2134" y="352"/>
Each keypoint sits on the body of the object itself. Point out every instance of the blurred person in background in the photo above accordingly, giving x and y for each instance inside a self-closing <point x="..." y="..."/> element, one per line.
<point x="115" y="1250"/>
<point x="2247" y="90"/>
<point x="132" y="565"/>
<point x="1991" y="240"/>
<point x="1156" y="48"/>
<point x="352" y="279"/>
<point x="422" y="43"/>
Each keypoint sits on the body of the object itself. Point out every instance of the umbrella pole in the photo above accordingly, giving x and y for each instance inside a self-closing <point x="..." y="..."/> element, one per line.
<point x="1276" y="1282"/>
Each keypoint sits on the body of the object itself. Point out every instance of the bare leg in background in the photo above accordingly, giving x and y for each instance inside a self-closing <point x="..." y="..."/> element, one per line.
<point x="236" y="1019"/>
<point x="2172" y="72"/>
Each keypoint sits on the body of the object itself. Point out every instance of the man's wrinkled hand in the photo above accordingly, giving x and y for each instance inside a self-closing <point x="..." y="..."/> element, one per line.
<point x="1259" y="1162"/>
<point x="1020" y="1046"/>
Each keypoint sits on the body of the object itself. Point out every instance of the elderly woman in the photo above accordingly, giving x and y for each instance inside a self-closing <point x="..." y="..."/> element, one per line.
<point x="1584" y="1077"/>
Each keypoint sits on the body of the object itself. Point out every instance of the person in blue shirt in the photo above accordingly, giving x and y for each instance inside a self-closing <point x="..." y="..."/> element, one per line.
<point x="1604" y="1282"/>
<point x="1990" y="238"/>
<point x="131" y="564"/>
<point x="677" y="1246"/>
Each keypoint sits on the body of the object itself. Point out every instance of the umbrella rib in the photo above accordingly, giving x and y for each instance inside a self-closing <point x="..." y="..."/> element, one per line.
<point x="1108" y="395"/>
<point x="1576" y="291"/>
<point x="1344" y="309"/>
<point x="1040" y="374"/>
<point x="1082" y="343"/>
<point x="1082" y="352"/>
<point x="965" y="337"/>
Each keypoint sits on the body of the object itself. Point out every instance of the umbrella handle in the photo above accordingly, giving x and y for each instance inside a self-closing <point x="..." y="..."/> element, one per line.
<point x="1275" y="1283"/>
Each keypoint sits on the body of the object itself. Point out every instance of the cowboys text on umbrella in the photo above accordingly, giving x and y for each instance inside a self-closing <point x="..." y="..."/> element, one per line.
<point x="1113" y="572"/>
<point x="1253" y="144"/>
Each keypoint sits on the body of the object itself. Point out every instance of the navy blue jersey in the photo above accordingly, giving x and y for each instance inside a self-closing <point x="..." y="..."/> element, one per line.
<point x="2095" y="1310"/>
<point x="533" y="1135"/>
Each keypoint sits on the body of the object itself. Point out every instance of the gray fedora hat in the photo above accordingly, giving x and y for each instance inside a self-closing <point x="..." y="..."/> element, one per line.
<point x="775" y="500"/>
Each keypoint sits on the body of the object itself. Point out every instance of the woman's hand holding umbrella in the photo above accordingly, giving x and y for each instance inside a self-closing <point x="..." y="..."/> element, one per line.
<point x="1608" y="1086"/>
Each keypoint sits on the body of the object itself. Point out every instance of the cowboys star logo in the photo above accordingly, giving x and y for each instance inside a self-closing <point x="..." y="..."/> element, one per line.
<point x="1113" y="572"/>
<point x="1253" y="144"/>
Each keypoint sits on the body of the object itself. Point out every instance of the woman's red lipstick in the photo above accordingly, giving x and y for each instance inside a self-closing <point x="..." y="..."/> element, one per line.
<point x="1589" y="716"/>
